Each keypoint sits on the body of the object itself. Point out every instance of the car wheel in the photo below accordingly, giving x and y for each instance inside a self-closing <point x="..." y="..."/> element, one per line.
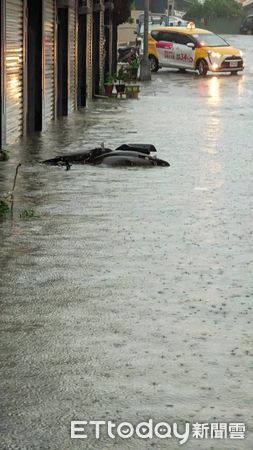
<point x="182" y="70"/>
<point x="235" y="72"/>
<point x="202" y="67"/>
<point x="153" y="63"/>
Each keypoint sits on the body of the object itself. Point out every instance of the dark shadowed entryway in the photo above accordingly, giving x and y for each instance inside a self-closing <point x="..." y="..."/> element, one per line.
<point x="34" y="66"/>
<point x="82" y="50"/>
<point x="62" y="62"/>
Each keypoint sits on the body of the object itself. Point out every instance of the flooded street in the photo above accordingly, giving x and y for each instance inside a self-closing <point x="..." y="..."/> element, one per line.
<point x="129" y="295"/>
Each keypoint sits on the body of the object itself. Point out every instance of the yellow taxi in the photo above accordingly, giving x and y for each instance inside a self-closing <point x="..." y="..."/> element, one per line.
<point x="192" y="48"/>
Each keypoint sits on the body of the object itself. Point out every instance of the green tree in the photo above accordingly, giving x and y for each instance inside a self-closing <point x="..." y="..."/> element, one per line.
<point x="222" y="8"/>
<point x="195" y="10"/>
<point x="122" y="10"/>
<point x="214" y="8"/>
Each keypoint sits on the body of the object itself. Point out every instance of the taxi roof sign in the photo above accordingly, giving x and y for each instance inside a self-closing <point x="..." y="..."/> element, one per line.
<point x="191" y="25"/>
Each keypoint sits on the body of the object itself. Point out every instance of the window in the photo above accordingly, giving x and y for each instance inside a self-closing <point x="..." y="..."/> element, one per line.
<point x="183" y="39"/>
<point x="210" y="40"/>
<point x="166" y="36"/>
<point x="156" y="35"/>
<point x="151" y="26"/>
<point x="249" y="21"/>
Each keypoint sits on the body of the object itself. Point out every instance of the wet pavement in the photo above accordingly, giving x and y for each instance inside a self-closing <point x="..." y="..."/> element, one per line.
<point x="129" y="295"/>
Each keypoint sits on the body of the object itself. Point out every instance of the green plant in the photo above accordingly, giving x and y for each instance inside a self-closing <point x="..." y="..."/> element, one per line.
<point x="109" y="79"/>
<point x="4" y="207"/>
<point x="4" y="155"/>
<point x="9" y="199"/>
<point x="122" y="10"/>
<point x="132" y="91"/>
<point x="213" y="8"/>
<point x="27" y="214"/>
<point x="135" y="63"/>
<point x="123" y="75"/>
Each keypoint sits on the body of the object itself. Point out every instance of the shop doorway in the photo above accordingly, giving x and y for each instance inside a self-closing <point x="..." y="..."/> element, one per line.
<point x="82" y="51"/>
<point x="62" y="62"/>
<point x="107" y="41"/>
<point x="96" y="52"/>
<point x="34" y="66"/>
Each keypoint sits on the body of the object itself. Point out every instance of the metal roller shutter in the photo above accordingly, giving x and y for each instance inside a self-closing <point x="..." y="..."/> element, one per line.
<point x="49" y="61"/>
<point x="14" y="35"/>
<point x="72" y="59"/>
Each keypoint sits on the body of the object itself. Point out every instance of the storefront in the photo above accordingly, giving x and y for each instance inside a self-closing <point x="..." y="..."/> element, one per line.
<point x="66" y="59"/>
<point x="13" y="65"/>
<point x="49" y="63"/>
<point x="98" y="47"/>
<point x="53" y="57"/>
<point x="2" y="130"/>
<point x="108" y="36"/>
<point x="83" y="11"/>
<point x="28" y="69"/>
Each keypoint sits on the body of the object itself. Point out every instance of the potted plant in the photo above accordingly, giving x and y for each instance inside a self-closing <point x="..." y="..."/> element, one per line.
<point x="122" y="78"/>
<point x="132" y="91"/>
<point x="109" y="84"/>
<point x="134" y="67"/>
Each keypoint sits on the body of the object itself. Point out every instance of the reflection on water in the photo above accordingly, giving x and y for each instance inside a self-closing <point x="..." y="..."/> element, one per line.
<point x="241" y="85"/>
<point x="214" y="91"/>
<point x="214" y="167"/>
<point x="213" y="134"/>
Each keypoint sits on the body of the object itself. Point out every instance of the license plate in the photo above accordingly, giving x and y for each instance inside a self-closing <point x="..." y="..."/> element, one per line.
<point x="233" y="64"/>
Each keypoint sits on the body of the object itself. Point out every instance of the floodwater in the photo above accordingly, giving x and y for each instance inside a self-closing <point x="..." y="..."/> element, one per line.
<point x="129" y="295"/>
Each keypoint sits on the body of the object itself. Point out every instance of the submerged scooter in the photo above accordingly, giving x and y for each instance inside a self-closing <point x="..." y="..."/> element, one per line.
<point x="128" y="54"/>
<point x="124" y="155"/>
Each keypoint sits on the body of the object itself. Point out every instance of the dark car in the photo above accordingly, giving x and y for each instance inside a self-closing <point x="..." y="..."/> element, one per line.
<point x="247" y="25"/>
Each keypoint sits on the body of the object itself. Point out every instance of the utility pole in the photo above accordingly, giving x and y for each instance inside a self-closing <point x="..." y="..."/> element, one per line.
<point x="145" y="73"/>
<point x="170" y="7"/>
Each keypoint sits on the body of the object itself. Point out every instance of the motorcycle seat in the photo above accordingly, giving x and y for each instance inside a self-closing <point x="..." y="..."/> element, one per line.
<point x="124" y="49"/>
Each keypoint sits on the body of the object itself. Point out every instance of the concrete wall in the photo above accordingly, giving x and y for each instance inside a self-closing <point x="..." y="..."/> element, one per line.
<point x="248" y="9"/>
<point x="126" y="30"/>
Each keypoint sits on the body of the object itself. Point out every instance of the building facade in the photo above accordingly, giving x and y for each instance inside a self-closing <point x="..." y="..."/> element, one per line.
<point x="54" y="55"/>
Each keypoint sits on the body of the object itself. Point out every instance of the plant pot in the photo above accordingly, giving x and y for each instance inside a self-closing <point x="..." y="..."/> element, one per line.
<point x="108" y="89"/>
<point x="120" y="88"/>
<point x="134" y="73"/>
<point x="132" y="91"/>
